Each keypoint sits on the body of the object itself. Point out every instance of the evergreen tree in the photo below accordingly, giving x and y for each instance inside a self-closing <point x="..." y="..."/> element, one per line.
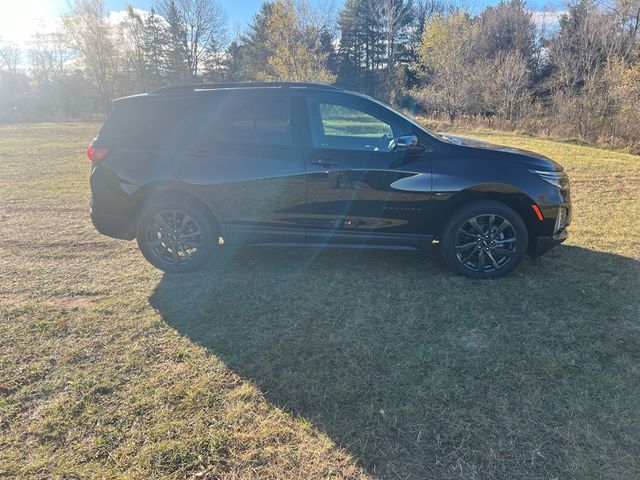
<point x="196" y="29"/>
<point x="374" y="37"/>
<point x="233" y="62"/>
<point x="156" y="49"/>
<point x="255" y="51"/>
<point x="327" y="49"/>
<point x="177" y="35"/>
<point x="281" y="45"/>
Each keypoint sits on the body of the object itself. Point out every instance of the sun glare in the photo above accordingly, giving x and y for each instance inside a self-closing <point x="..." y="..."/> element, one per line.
<point x="21" y="19"/>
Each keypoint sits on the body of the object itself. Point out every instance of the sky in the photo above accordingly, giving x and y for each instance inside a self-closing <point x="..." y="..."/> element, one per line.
<point x="21" y="18"/>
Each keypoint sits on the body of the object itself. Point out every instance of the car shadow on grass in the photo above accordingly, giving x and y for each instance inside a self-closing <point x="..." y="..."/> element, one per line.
<point x="420" y="373"/>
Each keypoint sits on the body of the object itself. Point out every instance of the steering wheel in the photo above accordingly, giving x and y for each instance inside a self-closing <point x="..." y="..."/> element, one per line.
<point x="384" y="143"/>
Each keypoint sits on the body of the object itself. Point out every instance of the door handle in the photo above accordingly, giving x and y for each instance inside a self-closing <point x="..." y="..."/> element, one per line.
<point x="325" y="162"/>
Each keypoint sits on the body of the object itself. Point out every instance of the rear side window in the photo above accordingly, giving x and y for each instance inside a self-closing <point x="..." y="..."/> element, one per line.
<point x="147" y="123"/>
<point x="252" y="120"/>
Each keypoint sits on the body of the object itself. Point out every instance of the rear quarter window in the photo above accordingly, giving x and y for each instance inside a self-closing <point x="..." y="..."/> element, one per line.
<point x="150" y="124"/>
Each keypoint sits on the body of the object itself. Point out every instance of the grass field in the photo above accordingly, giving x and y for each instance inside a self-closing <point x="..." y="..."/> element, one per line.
<point x="312" y="364"/>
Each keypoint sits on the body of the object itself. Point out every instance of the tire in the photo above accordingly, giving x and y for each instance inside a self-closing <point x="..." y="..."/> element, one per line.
<point x="176" y="236"/>
<point x="489" y="247"/>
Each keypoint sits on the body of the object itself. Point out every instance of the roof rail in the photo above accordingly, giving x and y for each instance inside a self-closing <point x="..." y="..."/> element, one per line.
<point x="192" y="87"/>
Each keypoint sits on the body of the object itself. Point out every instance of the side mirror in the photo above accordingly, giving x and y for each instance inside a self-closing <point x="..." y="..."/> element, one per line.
<point x="407" y="143"/>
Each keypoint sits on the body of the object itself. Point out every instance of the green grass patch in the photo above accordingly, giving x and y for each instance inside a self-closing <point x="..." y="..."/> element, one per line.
<point x="278" y="363"/>
<point x="355" y="127"/>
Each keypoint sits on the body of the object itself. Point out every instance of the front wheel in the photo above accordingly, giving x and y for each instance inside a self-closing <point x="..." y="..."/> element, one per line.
<point x="176" y="237"/>
<point x="486" y="239"/>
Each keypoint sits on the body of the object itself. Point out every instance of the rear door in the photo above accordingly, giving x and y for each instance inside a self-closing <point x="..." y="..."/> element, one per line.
<point x="244" y="164"/>
<point x="360" y="190"/>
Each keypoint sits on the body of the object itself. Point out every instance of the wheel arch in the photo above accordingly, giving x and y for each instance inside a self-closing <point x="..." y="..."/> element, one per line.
<point x="514" y="198"/>
<point x="171" y="192"/>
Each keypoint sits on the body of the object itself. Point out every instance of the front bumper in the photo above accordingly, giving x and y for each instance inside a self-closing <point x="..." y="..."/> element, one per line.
<point x="543" y="244"/>
<point x="555" y="205"/>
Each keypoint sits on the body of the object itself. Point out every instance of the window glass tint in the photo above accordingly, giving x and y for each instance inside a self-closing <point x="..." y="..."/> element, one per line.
<point x="147" y="123"/>
<point x="344" y="127"/>
<point x="262" y="120"/>
<point x="345" y="121"/>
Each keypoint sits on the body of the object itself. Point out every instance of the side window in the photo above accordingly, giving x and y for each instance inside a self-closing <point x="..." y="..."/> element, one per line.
<point x="253" y="120"/>
<point x="345" y="127"/>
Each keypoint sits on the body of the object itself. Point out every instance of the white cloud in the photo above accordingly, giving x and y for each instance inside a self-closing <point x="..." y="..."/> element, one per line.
<point x="547" y="18"/>
<point x="119" y="16"/>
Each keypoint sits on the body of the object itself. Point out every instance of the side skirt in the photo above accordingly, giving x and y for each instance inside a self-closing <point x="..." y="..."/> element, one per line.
<point x="298" y="237"/>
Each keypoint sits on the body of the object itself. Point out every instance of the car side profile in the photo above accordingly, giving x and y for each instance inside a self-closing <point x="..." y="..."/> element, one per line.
<point x="184" y="169"/>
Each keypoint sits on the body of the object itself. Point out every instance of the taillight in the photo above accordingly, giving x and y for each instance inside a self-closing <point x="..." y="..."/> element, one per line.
<point x="95" y="153"/>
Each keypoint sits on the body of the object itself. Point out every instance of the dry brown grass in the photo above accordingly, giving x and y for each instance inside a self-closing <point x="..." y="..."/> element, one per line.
<point x="277" y="363"/>
<point x="542" y="127"/>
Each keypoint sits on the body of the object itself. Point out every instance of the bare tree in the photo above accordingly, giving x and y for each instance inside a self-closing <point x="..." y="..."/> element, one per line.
<point x="626" y="14"/>
<point x="587" y="39"/>
<point x="9" y="57"/>
<point x="316" y="15"/>
<point x="196" y="28"/>
<point x="505" y="81"/>
<point x="396" y="17"/>
<point x="14" y="84"/>
<point x="48" y="54"/>
<point x="132" y="45"/>
<point x="91" y="36"/>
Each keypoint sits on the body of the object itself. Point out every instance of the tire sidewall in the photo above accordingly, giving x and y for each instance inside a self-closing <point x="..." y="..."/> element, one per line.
<point x="194" y="212"/>
<point x="487" y="207"/>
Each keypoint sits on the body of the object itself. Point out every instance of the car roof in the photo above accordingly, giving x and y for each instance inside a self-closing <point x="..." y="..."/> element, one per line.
<point x="198" y="87"/>
<point x="191" y="89"/>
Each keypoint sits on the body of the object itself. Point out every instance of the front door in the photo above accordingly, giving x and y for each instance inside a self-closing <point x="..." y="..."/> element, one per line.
<point x="360" y="189"/>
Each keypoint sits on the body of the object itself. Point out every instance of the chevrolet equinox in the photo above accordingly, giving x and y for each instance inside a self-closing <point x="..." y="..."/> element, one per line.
<point x="186" y="168"/>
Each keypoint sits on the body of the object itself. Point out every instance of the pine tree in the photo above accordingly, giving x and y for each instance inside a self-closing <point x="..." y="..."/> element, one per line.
<point x="196" y="29"/>
<point x="255" y="51"/>
<point x="178" y="69"/>
<point x="327" y="49"/>
<point x="374" y="34"/>
<point x="279" y="46"/>
<point x="232" y="62"/>
<point x="156" y="50"/>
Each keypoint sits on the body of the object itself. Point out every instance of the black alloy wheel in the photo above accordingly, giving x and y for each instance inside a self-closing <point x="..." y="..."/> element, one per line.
<point x="176" y="237"/>
<point x="486" y="243"/>
<point x="486" y="239"/>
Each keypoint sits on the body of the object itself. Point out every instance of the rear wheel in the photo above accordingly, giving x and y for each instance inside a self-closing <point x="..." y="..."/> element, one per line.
<point x="176" y="236"/>
<point x="486" y="239"/>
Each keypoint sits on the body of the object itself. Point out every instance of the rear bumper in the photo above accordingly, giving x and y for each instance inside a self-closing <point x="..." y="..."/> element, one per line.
<point x="543" y="244"/>
<point x="112" y="226"/>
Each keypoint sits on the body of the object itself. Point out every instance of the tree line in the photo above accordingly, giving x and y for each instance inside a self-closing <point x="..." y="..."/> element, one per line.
<point x="504" y="67"/>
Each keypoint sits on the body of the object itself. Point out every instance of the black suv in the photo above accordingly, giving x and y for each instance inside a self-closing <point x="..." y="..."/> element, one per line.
<point x="187" y="168"/>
